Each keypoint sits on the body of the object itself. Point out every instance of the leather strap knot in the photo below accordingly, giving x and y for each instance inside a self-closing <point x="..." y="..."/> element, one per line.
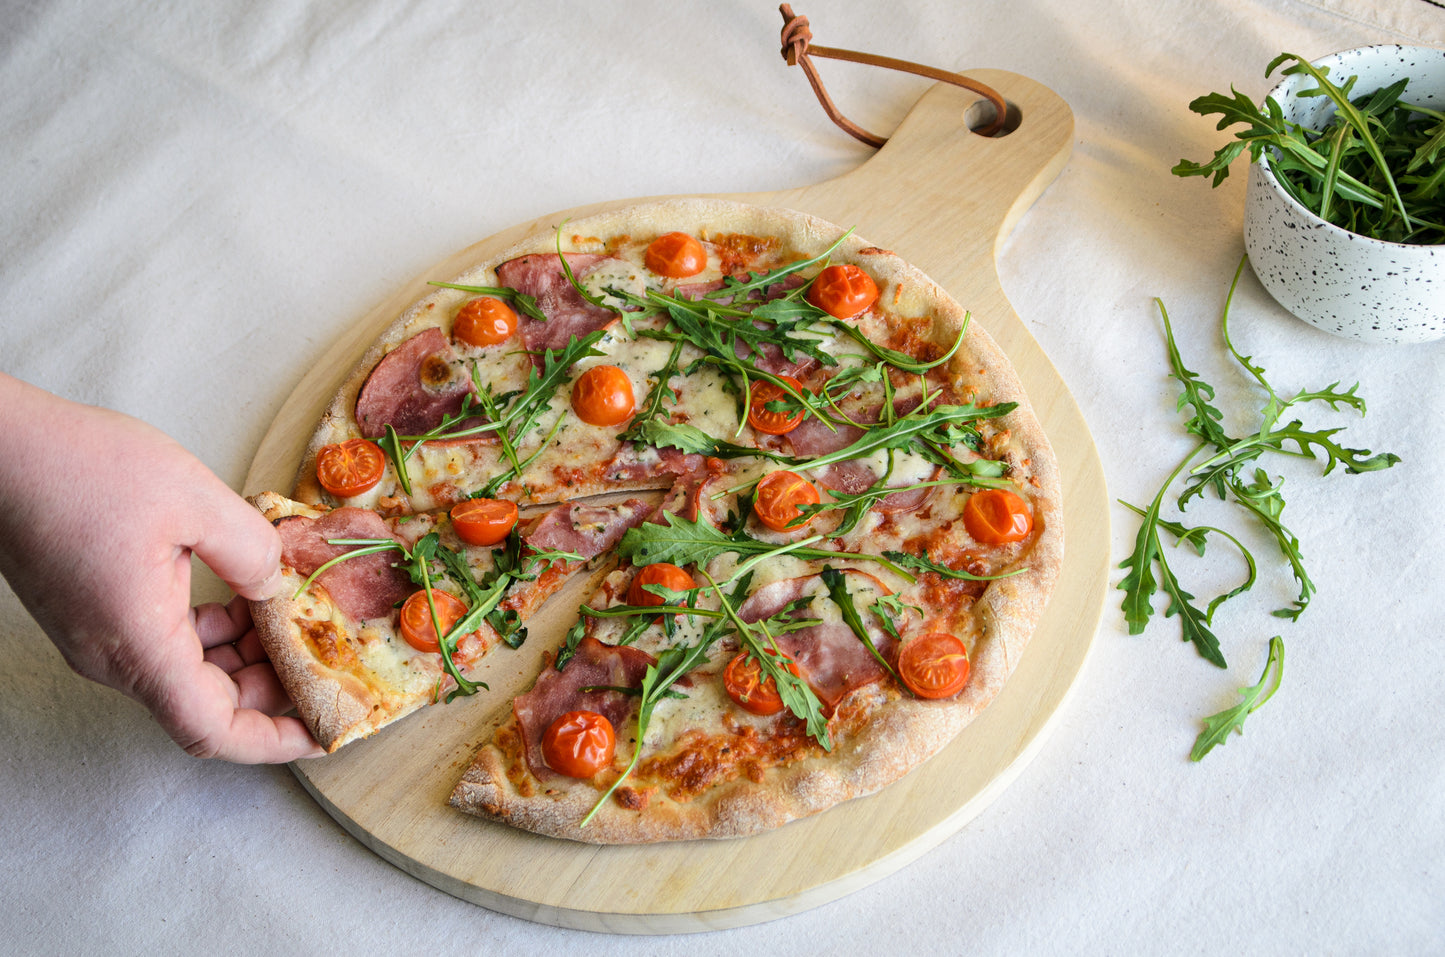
<point x="798" y="50"/>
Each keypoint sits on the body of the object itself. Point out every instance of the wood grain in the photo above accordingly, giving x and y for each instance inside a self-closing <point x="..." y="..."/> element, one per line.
<point x="944" y="199"/>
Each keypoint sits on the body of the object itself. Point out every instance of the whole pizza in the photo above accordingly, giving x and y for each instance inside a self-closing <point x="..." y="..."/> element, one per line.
<point x="822" y="519"/>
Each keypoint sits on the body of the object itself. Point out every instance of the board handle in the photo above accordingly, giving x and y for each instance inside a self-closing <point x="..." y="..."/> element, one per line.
<point x="938" y="171"/>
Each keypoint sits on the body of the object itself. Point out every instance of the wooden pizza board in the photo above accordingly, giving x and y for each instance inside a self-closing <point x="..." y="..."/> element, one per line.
<point x="944" y="199"/>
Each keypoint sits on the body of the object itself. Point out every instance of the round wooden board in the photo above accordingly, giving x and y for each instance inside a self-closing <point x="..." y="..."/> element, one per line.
<point x="944" y="199"/>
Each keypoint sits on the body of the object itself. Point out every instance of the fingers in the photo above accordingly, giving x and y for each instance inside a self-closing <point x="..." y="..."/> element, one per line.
<point x="210" y="715"/>
<point x="237" y="542"/>
<point x="218" y="624"/>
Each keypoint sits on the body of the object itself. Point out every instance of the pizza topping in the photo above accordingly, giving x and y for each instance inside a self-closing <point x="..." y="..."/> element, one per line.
<point x="777" y="499"/>
<point x="676" y="256"/>
<point x="483" y="521"/>
<point x="349" y="468"/>
<point x="579" y="744"/>
<point x="772" y="410"/>
<point x="934" y="665"/>
<point x="418" y="628"/>
<point x="831" y="658"/>
<point x="569" y="314"/>
<point x="754" y="692"/>
<point x="843" y="291"/>
<point x="484" y="321"/>
<point x="997" y="516"/>
<point x="584" y="685"/>
<point x="363" y="587"/>
<point x="413" y="387"/>
<point x="661" y="574"/>
<point x="603" y="396"/>
<point x="586" y="530"/>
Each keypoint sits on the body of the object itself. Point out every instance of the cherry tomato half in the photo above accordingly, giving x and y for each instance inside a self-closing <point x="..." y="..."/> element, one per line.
<point x="934" y="665"/>
<point x="351" y="467"/>
<point x="658" y="573"/>
<point x="483" y="521"/>
<point x="676" y="256"/>
<point x="484" y="321"/>
<point x="778" y="496"/>
<point x="579" y="744"/>
<point x="753" y="691"/>
<point x="996" y="516"/>
<point x="603" y="396"/>
<point x="763" y="419"/>
<point x="843" y="291"/>
<point x="416" y="623"/>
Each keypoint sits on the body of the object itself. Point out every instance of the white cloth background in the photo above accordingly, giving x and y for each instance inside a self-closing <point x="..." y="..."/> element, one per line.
<point x="196" y="199"/>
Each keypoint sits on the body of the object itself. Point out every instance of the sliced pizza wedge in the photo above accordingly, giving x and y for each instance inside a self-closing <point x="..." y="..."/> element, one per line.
<point x="383" y="615"/>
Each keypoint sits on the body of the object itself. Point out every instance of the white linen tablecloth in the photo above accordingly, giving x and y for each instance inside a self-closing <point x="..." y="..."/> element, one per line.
<point x="197" y="199"/>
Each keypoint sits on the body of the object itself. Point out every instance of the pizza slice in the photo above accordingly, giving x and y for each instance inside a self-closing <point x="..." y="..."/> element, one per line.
<point x="354" y="637"/>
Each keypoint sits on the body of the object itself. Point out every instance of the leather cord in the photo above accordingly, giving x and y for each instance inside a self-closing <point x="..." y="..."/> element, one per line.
<point x="798" y="48"/>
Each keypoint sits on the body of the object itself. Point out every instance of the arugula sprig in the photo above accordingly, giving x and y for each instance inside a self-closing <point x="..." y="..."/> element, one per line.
<point x="1225" y="471"/>
<point x="1217" y="726"/>
<point x="683" y="541"/>
<point x="520" y="301"/>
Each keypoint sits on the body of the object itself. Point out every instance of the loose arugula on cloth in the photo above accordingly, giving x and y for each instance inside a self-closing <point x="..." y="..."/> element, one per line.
<point x="1376" y="168"/>
<point x="1217" y="726"/>
<point x="1225" y="472"/>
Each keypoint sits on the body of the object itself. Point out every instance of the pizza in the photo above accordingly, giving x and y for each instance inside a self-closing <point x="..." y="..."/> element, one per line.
<point x="820" y="518"/>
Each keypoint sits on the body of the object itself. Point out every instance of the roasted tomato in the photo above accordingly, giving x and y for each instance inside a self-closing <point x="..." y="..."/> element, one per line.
<point x="934" y="665"/>
<point x="579" y="744"/>
<point x="843" y="291"/>
<point x="603" y="396"/>
<point x="351" y="467"/>
<point x="483" y="521"/>
<point x="676" y="256"/>
<point x="658" y="573"/>
<point x="763" y="419"/>
<point x="996" y="516"/>
<point x="484" y="321"/>
<point x="416" y="624"/>
<point x="778" y="496"/>
<point x="753" y="691"/>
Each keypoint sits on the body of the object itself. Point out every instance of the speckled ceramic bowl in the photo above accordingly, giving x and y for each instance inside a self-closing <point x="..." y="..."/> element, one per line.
<point x="1343" y="282"/>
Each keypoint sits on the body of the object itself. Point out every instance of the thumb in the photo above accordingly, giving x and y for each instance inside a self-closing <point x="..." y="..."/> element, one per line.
<point x="238" y="544"/>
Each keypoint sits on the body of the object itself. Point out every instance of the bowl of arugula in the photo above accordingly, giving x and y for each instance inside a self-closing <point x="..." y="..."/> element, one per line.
<point x="1344" y="217"/>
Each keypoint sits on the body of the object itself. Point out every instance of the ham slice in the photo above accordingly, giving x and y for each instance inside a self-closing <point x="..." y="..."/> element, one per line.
<point x="588" y="530"/>
<point x="557" y="692"/>
<point x="568" y="314"/>
<point x="832" y="659"/>
<point x="364" y="587"/>
<point x="413" y="387"/>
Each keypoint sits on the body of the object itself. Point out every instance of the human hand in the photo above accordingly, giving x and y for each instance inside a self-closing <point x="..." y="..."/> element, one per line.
<point x="99" y="517"/>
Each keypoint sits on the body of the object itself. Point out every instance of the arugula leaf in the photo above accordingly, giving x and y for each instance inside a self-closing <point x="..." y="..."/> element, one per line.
<point x="926" y="564"/>
<point x="837" y="585"/>
<point x="689" y="438"/>
<point x="520" y="301"/>
<point x="684" y="541"/>
<point x="945" y="425"/>
<point x="1217" y="726"/>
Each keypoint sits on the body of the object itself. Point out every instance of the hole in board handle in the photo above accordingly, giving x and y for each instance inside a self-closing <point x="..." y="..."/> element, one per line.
<point x="979" y="115"/>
